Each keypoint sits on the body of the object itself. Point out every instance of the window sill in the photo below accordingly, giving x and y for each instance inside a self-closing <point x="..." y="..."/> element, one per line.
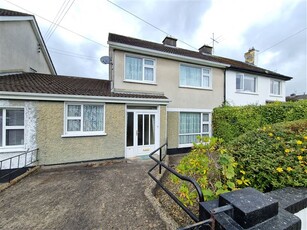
<point x="185" y="145"/>
<point x="276" y="95"/>
<point x="201" y="88"/>
<point x="83" y="134"/>
<point x="246" y="92"/>
<point x="140" y="82"/>
<point x="12" y="149"/>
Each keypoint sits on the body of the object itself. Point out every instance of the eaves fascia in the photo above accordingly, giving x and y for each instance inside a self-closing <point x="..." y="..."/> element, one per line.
<point x="80" y="98"/>
<point x="264" y="74"/>
<point x="156" y="53"/>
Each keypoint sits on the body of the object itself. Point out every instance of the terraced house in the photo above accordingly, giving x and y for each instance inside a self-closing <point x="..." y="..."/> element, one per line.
<point x="156" y="93"/>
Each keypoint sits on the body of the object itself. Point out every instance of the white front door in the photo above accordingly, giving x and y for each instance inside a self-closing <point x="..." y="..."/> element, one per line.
<point x="142" y="132"/>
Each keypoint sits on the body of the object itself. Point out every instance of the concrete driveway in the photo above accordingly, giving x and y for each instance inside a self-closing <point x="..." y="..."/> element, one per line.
<point x="106" y="196"/>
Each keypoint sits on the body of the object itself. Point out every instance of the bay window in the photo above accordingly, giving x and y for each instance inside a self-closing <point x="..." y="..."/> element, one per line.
<point x="193" y="76"/>
<point x="139" y="69"/>
<point x="193" y="124"/>
<point x="246" y="83"/>
<point x="11" y="127"/>
<point x="84" y="119"/>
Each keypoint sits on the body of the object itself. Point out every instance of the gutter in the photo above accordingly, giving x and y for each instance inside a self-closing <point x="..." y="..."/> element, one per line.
<point x="265" y="73"/>
<point x="80" y="98"/>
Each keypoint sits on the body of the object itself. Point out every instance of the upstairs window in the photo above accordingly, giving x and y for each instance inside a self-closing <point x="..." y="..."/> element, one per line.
<point x="275" y="87"/>
<point x="84" y="119"/>
<point x="11" y="127"/>
<point x="192" y="76"/>
<point x="140" y="69"/>
<point x="246" y="83"/>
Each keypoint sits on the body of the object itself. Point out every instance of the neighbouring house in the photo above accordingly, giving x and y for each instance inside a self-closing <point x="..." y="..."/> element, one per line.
<point x="294" y="97"/>
<point x="21" y="44"/>
<point x="195" y="83"/>
<point x="247" y="84"/>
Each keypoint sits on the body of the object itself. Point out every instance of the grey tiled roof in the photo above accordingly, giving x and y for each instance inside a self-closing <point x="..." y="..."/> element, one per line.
<point x="234" y="64"/>
<point x="63" y="85"/>
<point x="5" y="12"/>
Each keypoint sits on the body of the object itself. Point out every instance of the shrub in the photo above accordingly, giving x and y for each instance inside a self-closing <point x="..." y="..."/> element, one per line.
<point x="210" y="165"/>
<point x="231" y="122"/>
<point x="272" y="157"/>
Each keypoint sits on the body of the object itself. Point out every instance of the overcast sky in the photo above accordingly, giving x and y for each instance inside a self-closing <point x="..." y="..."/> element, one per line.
<point x="277" y="28"/>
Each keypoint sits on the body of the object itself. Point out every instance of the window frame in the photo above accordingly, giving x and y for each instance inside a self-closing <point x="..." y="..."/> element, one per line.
<point x="202" y="68"/>
<point x="272" y="88"/>
<point x="202" y="122"/>
<point x="242" y="81"/>
<point x="82" y="132"/>
<point x="144" y="65"/>
<point x="15" y="127"/>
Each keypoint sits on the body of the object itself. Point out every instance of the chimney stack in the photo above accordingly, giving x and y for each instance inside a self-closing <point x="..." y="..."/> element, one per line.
<point x="251" y="56"/>
<point x="169" y="41"/>
<point x="205" y="49"/>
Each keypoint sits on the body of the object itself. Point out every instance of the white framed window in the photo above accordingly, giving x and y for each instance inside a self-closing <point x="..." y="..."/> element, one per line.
<point x="195" y="77"/>
<point x="191" y="125"/>
<point x="12" y="127"/>
<point x="275" y="87"/>
<point x="83" y="119"/>
<point x="140" y="69"/>
<point x="246" y="83"/>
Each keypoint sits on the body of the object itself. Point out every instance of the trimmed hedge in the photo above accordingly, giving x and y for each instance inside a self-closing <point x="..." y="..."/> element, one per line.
<point x="272" y="157"/>
<point x="230" y="122"/>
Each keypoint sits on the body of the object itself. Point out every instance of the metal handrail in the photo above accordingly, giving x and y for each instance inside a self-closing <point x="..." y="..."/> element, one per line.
<point x="182" y="177"/>
<point x="18" y="164"/>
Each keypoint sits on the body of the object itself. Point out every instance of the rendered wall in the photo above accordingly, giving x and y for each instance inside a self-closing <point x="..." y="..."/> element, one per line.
<point x="19" y="48"/>
<point x="167" y="83"/>
<point x="55" y="149"/>
<point x="163" y="125"/>
<point x="173" y="129"/>
<point x="260" y="97"/>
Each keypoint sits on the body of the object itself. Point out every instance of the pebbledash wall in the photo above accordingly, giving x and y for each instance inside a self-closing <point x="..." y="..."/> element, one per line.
<point x="30" y="117"/>
<point x="44" y="127"/>
<point x="55" y="149"/>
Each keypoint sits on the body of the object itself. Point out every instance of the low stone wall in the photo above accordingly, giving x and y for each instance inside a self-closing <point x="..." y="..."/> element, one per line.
<point x="250" y="209"/>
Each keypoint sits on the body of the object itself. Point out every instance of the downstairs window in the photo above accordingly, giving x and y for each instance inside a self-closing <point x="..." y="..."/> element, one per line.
<point x="84" y="119"/>
<point x="12" y="127"/>
<point x="193" y="124"/>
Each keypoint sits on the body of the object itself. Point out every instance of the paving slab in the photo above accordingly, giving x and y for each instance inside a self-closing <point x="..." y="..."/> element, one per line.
<point x="105" y="196"/>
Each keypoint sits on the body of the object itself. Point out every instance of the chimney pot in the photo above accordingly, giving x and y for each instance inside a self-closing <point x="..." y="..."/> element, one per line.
<point x="169" y="41"/>
<point x="206" y="49"/>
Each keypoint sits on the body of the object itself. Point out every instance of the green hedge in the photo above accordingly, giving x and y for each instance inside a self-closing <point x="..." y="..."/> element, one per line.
<point x="272" y="157"/>
<point x="230" y="122"/>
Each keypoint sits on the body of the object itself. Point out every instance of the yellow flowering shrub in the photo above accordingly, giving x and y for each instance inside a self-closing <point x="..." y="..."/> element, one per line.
<point x="211" y="166"/>
<point x="270" y="162"/>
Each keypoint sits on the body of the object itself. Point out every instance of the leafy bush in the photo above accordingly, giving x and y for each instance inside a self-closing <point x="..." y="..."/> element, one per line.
<point x="272" y="157"/>
<point x="210" y="165"/>
<point x="231" y="122"/>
